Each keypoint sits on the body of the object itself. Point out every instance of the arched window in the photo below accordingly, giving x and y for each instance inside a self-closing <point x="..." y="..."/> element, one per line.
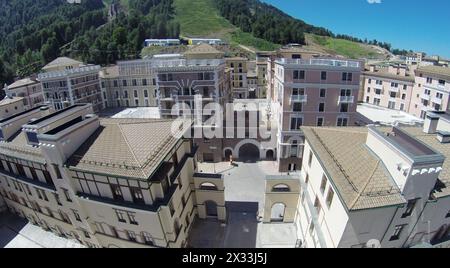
<point x="281" y="188"/>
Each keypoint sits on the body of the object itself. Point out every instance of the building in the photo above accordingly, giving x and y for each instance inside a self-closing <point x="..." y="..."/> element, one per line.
<point x="105" y="182"/>
<point x="431" y="91"/>
<point x="110" y="84"/>
<point x="29" y="89"/>
<point x="414" y="58"/>
<point x="161" y="42"/>
<point x="180" y="81"/>
<point x="238" y="67"/>
<point x="11" y="105"/>
<point x="209" y="41"/>
<point x="375" y="187"/>
<point x="66" y="82"/>
<point x="390" y="87"/>
<point x="313" y="92"/>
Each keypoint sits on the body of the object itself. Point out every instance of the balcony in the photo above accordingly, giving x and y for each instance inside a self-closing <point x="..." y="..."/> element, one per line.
<point x="299" y="98"/>
<point x="394" y="89"/>
<point x="437" y="101"/>
<point x="425" y="97"/>
<point x="346" y="99"/>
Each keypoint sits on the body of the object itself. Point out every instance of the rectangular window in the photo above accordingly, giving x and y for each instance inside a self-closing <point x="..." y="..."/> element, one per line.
<point x="299" y="75"/>
<point x="144" y="82"/>
<point x="57" y="171"/>
<point x="298" y="107"/>
<point x="76" y="215"/>
<point x="120" y="216"/>
<point x="296" y="123"/>
<point x="58" y="201"/>
<point x="344" y="108"/>
<point x="397" y="232"/>
<point x="323" y="184"/>
<point x="323" y="93"/>
<point x="409" y="208"/>
<point x="347" y="76"/>
<point x="67" y="195"/>
<point x="322" y="107"/>
<point x="342" y="122"/>
<point x="148" y="239"/>
<point x="124" y="83"/>
<point x="145" y="94"/>
<point x="134" y="82"/>
<point x="323" y="75"/>
<point x="136" y="193"/>
<point x="132" y="218"/>
<point x="320" y="122"/>
<point x="131" y="236"/>
<point x="330" y="196"/>
<point x="317" y="205"/>
<point x="135" y="94"/>
<point x="117" y="192"/>
<point x="310" y="158"/>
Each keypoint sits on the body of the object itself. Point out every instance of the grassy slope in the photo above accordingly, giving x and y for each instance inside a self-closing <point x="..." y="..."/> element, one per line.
<point x="199" y="18"/>
<point x="343" y="47"/>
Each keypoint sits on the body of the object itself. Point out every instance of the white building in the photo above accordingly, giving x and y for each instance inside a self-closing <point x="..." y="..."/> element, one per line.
<point x="162" y="42"/>
<point x="376" y="186"/>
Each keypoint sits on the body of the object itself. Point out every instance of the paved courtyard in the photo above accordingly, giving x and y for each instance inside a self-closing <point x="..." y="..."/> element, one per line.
<point x="244" y="195"/>
<point x="16" y="232"/>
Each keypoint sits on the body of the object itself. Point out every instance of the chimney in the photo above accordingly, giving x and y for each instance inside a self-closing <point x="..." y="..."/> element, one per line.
<point x="431" y="123"/>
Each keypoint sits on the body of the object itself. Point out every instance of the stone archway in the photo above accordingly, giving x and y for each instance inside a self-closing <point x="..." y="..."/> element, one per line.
<point x="277" y="212"/>
<point x="270" y="155"/>
<point x="252" y="149"/>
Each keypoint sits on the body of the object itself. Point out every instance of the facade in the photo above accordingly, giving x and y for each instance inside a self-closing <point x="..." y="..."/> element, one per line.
<point x="180" y="81"/>
<point x="238" y="77"/>
<point x="208" y="41"/>
<point x="370" y="187"/>
<point x="10" y="106"/>
<point x="431" y="91"/>
<point x="390" y="87"/>
<point x="162" y="42"/>
<point x="28" y="88"/>
<point x="314" y="92"/>
<point x="105" y="182"/>
<point x="66" y="82"/>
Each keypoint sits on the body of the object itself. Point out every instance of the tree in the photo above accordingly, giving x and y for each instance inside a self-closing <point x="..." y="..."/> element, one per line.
<point x="120" y="35"/>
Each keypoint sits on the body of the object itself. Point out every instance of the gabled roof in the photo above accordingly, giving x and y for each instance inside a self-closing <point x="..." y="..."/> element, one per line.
<point x="131" y="148"/>
<point x="61" y="61"/>
<point x="22" y="82"/>
<point x="437" y="70"/>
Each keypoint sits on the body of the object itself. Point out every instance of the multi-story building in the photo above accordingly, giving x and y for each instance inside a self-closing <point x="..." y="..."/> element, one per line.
<point x="238" y="77"/>
<point x="105" y="182"/>
<point x="180" y="81"/>
<point x="67" y="82"/>
<point x="431" y="91"/>
<point x="29" y="89"/>
<point x="390" y="87"/>
<point x="314" y="92"/>
<point x="374" y="187"/>
<point x="109" y="84"/>
<point x="10" y="106"/>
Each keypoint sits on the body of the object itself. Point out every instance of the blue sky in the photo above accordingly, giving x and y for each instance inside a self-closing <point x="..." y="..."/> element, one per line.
<point x="407" y="24"/>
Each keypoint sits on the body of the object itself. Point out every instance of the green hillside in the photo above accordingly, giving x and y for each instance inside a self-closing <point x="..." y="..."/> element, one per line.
<point x="200" y="18"/>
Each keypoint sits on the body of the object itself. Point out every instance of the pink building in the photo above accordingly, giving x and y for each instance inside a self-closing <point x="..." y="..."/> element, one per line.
<point x="312" y="92"/>
<point x="431" y="91"/>
<point x="389" y="87"/>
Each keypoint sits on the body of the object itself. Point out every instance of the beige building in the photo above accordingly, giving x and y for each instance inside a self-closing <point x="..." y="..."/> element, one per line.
<point x="11" y="105"/>
<point x="66" y="82"/>
<point x="29" y="89"/>
<point x="390" y="87"/>
<point x="105" y="182"/>
<point x="238" y="67"/>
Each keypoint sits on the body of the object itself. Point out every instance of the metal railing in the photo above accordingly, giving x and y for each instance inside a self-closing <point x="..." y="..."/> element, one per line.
<point x="322" y="62"/>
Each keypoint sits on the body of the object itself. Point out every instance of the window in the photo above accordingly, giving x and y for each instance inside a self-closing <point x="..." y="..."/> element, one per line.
<point x="144" y="82"/>
<point x="347" y="76"/>
<point x="397" y="232"/>
<point x="344" y="108"/>
<point x="124" y="83"/>
<point x="135" y="94"/>
<point x="322" y="107"/>
<point x="117" y="192"/>
<point x="76" y="215"/>
<point x="120" y="216"/>
<point x="310" y="158"/>
<point x="370" y="81"/>
<point x="298" y="107"/>
<point x="148" y="239"/>
<point x="131" y="236"/>
<point x="429" y="80"/>
<point x="299" y="75"/>
<point x="439" y="96"/>
<point x="342" y="122"/>
<point x="395" y="85"/>
<point x="330" y="196"/>
<point x="57" y="171"/>
<point x="323" y="75"/>
<point x="317" y="205"/>
<point x="67" y="195"/>
<point x="448" y="214"/>
<point x="368" y="90"/>
<point x="323" y="93"/>
<point x="137" y="195"/>
<point x="132" y="218"/>
<point x="296" y="123"/>
<point x="409" y="208"/>
<point x="393" y="95"/>
<point x="320" y="121"/>
<point x="41" y="194"/>
<point x="145" y="94"/>
<point x="403" y="96"/>
<point x="58" y="201"/>
<point x="442" y="82"/>
<point x="134" y="82"/>
<point x="323" y="184"/>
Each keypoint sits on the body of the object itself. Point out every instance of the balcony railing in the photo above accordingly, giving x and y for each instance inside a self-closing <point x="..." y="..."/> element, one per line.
<point x="322" y="62"/>
<point x="437" y="101"/>
<point x="346" y="99"/>
<point x="299" y="98"/>
<point x="425" y="97"/>
<point x="394" y="89"/>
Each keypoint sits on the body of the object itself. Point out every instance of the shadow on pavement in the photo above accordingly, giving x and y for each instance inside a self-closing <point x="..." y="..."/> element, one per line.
<point x="10" y="226"/>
